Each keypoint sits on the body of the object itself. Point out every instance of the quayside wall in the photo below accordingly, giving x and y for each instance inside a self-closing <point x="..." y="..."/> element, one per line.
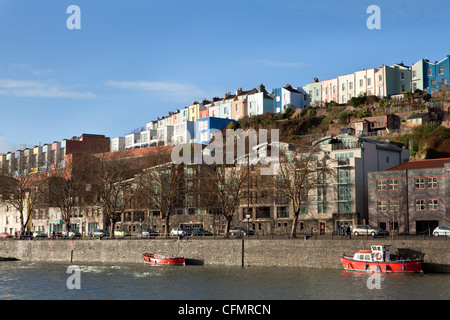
<point x="227" y="252"/>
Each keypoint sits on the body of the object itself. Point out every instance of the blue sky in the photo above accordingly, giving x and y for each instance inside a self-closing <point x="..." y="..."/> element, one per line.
<point x="136" y="60"/>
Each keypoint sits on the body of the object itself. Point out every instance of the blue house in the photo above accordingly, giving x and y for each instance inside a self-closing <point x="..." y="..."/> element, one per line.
<point x="287" y="95"/>
<point x="433" y="77"/>
<point x="204" y="127"/>
<point x="440" y="75"/>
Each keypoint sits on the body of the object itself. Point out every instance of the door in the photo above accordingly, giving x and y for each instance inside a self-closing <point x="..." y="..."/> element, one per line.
<point x="322" y="227"/>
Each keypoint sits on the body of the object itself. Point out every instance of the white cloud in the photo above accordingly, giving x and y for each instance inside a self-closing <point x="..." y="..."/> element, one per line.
<point x="180" y="92"/>
<point x="39" y="89"/>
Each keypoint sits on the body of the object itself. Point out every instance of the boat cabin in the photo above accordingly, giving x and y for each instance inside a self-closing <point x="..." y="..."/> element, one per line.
<point x="379" y="253"/>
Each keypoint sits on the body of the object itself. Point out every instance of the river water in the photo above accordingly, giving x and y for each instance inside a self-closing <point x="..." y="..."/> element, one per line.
<point x="49" y="281"/>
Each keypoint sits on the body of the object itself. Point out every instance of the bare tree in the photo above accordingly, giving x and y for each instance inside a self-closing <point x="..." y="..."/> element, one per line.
<point x="163" y="187"/>
<point x="114" y="185"/>
<point x="300" y="171"/>
<point x="23" y="189"/>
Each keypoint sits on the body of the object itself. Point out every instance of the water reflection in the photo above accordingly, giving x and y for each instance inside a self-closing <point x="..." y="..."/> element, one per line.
<point x="20" y="280"/>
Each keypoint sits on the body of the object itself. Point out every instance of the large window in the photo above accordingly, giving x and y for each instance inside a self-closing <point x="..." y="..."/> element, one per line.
<point x="419" y="183"/>
<point x="344" y="176"/>
<point x="420" y="204"/>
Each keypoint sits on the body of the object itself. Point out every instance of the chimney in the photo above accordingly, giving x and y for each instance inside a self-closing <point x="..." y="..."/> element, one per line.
<point x="261" y="88"/>
<point x="288" y="85"/>
<point x="239" y="91"/>
<point x="227" y="94"/>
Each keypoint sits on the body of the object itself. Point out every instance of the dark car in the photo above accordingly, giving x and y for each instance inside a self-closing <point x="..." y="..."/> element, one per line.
<point x="147" y="233"/>
<point x="200" y="232"/>
<point x="239" y="232"/>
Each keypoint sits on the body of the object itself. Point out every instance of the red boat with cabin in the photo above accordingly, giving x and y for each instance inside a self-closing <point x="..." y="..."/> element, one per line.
<point x="378" y="260"/>
<point x="150" y="258"/>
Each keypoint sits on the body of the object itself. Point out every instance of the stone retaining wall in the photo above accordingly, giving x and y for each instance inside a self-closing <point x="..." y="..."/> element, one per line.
<point x="230" y="252"/>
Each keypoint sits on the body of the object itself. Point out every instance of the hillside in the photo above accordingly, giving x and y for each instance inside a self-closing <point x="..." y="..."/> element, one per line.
<point x="426" y="142"/>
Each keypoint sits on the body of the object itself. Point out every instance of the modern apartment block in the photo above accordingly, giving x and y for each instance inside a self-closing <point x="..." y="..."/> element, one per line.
<point x="204" y="128"/>
<point x="53" y="155"/>
<point x="411" y="198"/>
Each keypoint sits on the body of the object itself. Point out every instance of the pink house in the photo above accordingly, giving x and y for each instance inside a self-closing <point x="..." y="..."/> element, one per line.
<point x="330" y="90"/>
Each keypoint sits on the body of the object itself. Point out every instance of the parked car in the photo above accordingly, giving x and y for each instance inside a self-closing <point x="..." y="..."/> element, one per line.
<point x="148" y="233"/>
<point x="441" y="231"/>
<point x="72" y="234"/>
<point x="4" y="235"/>
<point x="121" y="233"/>
<point x="200" y="232"/>
<point x="239" y="232"/>
<point x="100" y="233"/>
<point x="39" y="234"/>
<point x="55" y="234"/>
<point x="367" y="230"/>
<point x="178" y="232"/>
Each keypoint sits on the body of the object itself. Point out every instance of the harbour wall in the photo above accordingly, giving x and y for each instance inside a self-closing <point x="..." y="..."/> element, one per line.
<point x="226" y="252"/>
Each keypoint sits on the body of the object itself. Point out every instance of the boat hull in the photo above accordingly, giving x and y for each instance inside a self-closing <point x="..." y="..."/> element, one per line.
<point x="150" y="258"/>
<point x="401" y="266"/>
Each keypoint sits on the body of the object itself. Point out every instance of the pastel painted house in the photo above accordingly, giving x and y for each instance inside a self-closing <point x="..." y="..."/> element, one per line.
<point x="287" y="95"/>
<point x="365" y="82"/>
<point x="183" y="132"/>
<point x="346" y="88"/>
<point x="204" y="128"/>
<point x="330" y="90"/>
<point x="260" y="102"/>
<point x="314" y="93"/>
<point x="397" y="79"/>
<point x="239" y="106"/>
<point x="225" y="106"/>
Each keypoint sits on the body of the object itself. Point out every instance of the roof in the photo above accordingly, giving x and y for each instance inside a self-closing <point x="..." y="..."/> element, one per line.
<point x="421" y="164"/>
<point x="418" y="115"/>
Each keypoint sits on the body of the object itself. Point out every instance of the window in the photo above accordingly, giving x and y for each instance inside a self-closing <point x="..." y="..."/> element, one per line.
<point x="361" y="83"/>
<point x="441" y="70"/>
<point x="433" y="82"/>
<point x="432" y="183"/>
<point x="430" y="72"/>
<point x="414" y="86"/>
<point x="322" y="207"/>
<point x="344" y="193"/>
<point x="350" y="85"/>
<point x="402" y="76"/>
<point x="393" y="184"/>
<point x="381" y="206"/>
<point x="403" y="88"/>
<point x="381" y="185"/>
<point x="344" y="208"/>
<point x="282" y="212"/>
<point x="344" y="176"/>
<point x="420" y="205"/>
<point x="369" y="81"/>
<point x="433" y="204"/>
<point x="394" y="205"/>
<point x="414" y="73"/>
<point x="444" y="81"/>
<point x="419" y="183"/>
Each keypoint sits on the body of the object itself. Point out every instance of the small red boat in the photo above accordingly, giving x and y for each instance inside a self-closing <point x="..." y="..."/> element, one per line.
<point x="151" y="258"/>
<point x="378" y="260"/>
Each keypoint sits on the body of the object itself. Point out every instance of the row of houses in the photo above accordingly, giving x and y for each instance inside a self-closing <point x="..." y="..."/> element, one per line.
<point x="373" y="182"/>
<point x="196" y="122"/>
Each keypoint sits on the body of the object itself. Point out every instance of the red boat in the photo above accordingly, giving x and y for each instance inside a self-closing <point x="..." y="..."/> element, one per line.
<point x="151" y="258"/>
<point x="378" y="260"/>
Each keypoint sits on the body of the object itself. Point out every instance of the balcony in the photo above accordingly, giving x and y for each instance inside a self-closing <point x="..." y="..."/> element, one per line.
<point x="346" y="146"/>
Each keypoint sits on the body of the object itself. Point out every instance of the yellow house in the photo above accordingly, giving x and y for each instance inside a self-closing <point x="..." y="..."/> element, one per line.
<point x="35" y="161"/>
<point x="194" y="111"/>
<point x="417" y="120"/>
